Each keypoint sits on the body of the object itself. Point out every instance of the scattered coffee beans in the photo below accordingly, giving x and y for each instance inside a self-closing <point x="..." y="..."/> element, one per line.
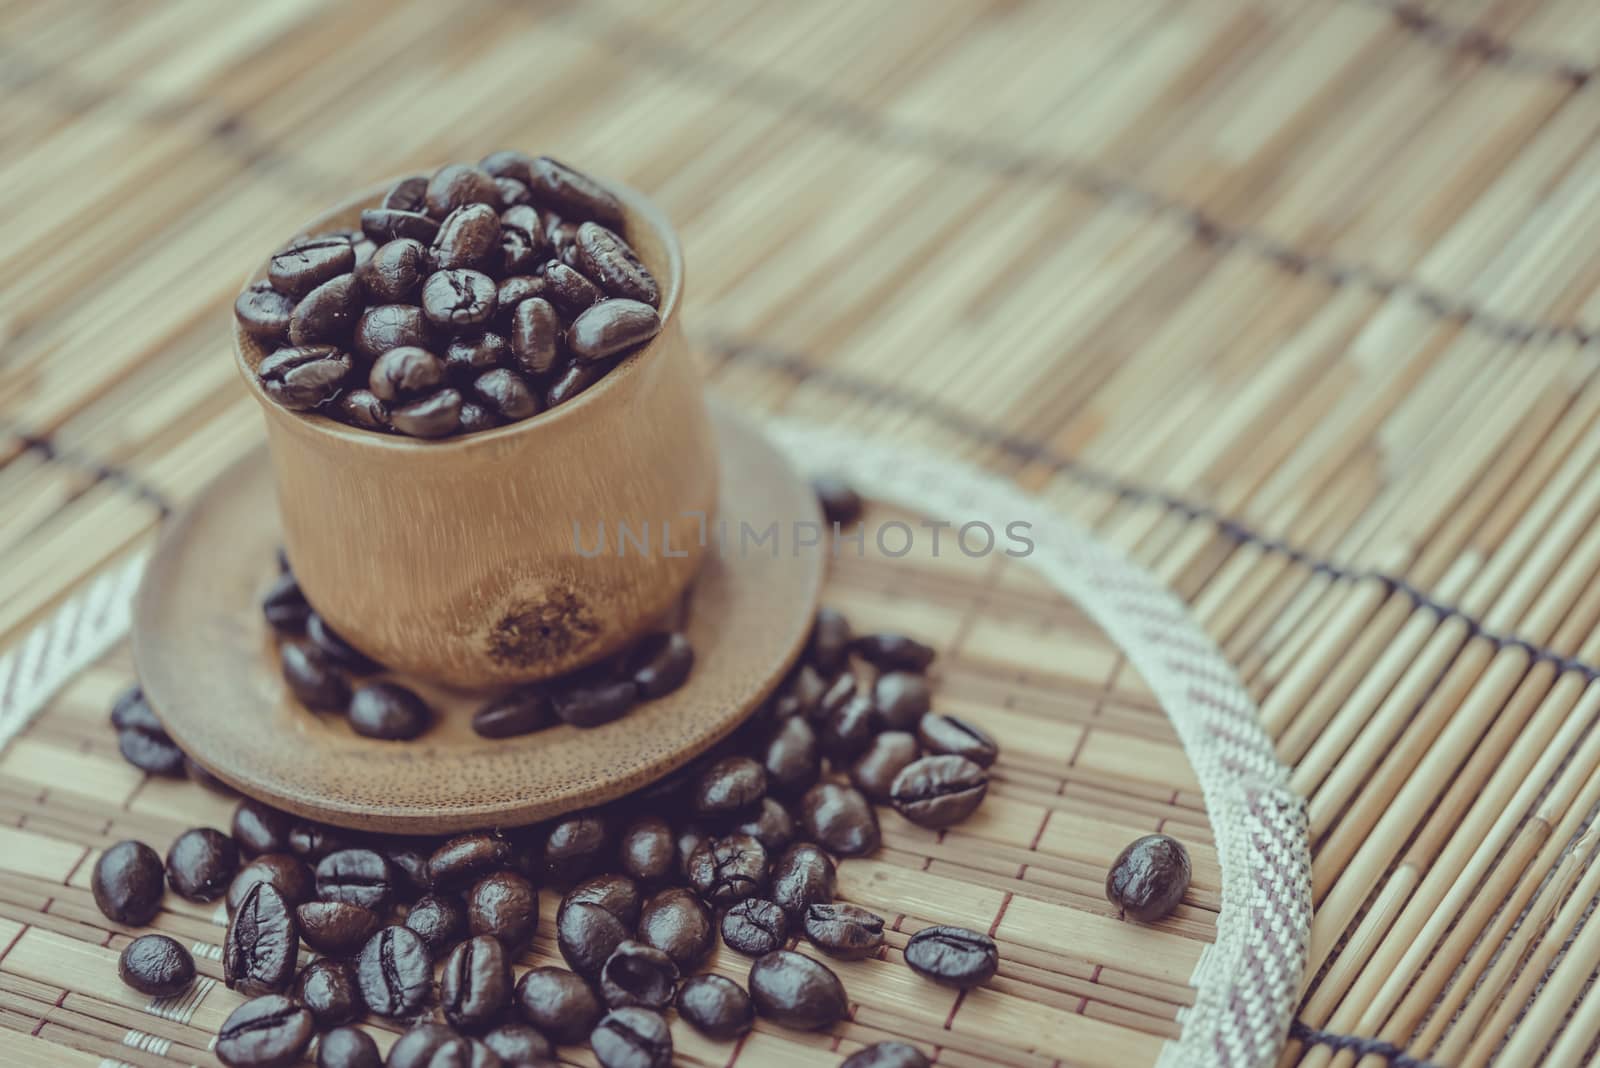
<point x="268" y="1032"/>
<point x="1148" y="878"/>
<point x="953" y="956"/>
<point x="128" y="882"/>
<point x="796" y="991"/>
<point x="156" y="965"/>
<point x="716" y="1006"/>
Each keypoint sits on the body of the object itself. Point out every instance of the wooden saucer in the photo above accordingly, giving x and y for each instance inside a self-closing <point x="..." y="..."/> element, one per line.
<point x="207" y="662"/>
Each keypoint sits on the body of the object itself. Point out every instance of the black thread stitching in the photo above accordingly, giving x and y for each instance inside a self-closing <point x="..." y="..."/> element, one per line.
<point x="1481" y="45"/>
<point x="1394" y="1055"/>
<point x="98" y="470"/>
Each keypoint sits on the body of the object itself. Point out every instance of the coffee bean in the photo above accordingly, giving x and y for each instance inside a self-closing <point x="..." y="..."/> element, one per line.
<point x="838" y="693"/>
<point x="732" y="786"/>
<point x="612" y="263"/>
<point x="774" y="827"/>
<point x="840" y="503"/>
<point x="468" y="237"/>
<point x="637" y="974"/>
<point x="803" y="876"/>
<point x="593" y="703"/>
<point x="840" y="819"/>
<point x="258" y="951"/>
<point x="716" y="1006"/>
<point x="587" y="935"/>
<point x="341" y="653"/>
<point x="504" y="906"/>
<point x="617" y="894"/>
<point x="395" y="272"/>
<point x="418" y="1046"/>
<point x="328" y="313"/>
<point x="572" y="192"/>
<point x="506" y="394"/>
<point x="356" y="877"/>
<point x="201" y="863"/>
<point x="312" y="678"/>
<point x="957" y="737"/>
<point x="458" y="298"/>
<point x="849" y="730"/>
<point x="284" y="605"/>
<point x="559" y="1004"/>
<point x="797" y="992"/>
<point x="128" y="881"/>
<point x="405" y="373"/>
<point x="267" y="1032"/>
<point x="466" y="858"/>
<point x="475" y="418"/>
<point x="327" y="988"/>
<point x="263" y="312"/>
<point x="361" y="408"/>
<point x="408" y="860"/>
<point x="523" y="245"/>
<point x="939" y="791"/>
<point x="508" y="163"/>
<point x="259" y="829"/>
<point x="513" y="192"/>
<point x="475" y="984"/>
<point x="408" y="194"/>
<point x="1149" y="877"/>
<point x="754" y="927"/>
<point x="569" y="290"/>
<point x="337" y="928"/>
<point x="886" y="1055"/>
<point x="648" y="850"/>
<point x="391" y="224"/>
<point x="677" y="923"/>
<point x="689" y="840"/>
<point x="612" y="327"/>
<point x="572" y="379"/>
<point x="893" y="652"/>
<point x="348" y="1047"/>
<point x="793" y="760"/>
<point x="632" y="1037"/>
<point x="388" y="711"/>
<point x="440" y="920"/>
<point x="829" y="647"/>
<point x="456" y="185"/>
<point x="874" y="771"/>
<point x="307" y="263"/>
<point x="156" y="965"/>
<point x="431" y="417"/>
<point x="902" y="699"/>
<point x="660" y="664"/>
<point x="313" y="841"/>
<point x="729" y="869"/>
<point x="304" y="377"/>
<point x="147" y="747"/>
<point x="520" y="1046"/>
<point x="848" y="932"/>
<point x="394" y="973"/>
<point x="574" y="847"/>
<point x="390" y="326"/>
<point x="953" y="956"/>
<point x="519" y="711"/>
<point x="535" y="333"/>
<point x="805" y="688"/>
<point x="284" y="872"/>
<point x="470" y="355"/>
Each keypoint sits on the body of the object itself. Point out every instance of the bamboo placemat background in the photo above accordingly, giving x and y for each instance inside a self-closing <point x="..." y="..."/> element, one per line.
<point x="1292" y="301"/>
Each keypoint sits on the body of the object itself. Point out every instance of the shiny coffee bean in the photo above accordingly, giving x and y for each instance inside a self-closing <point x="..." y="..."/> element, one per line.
<point x="405" y="373"/>
<point x="938" y="791"/>
<point x="258" y="828"/>
<point x="574" y="847"/>
<point x="1149" y="877"/>
<point x="840" y="502"/>
<point x="328" y="313"/>
<point x="395" y="272"/>
<point x="356" y="877"/>
<point x="313" y="841"/>
<point x="458" y="299"/>
<point x="408" y="860"/>
<point x="632" y="1037"/>
<point x="336" y="928"/>
<point x="731" y="786"/>
<point x="475" y="984"/>
<point x="840" y="819"/>
<point x="511" y="292"/>
<point x="660" y="664"/>
<point x="388" y="711"/>
<point x="504" y="906"/>
<point x="797" y="992"/>
<point x="391" y="326"/>
<point x="570" y="191"/>
<point x="728" y="869"/>
<point x="793" y="758"/>
<point x="829" y="648"/>
<point x="806" y="687"/>
<point x="593" y="703"/>
<point x="440" y="920"/>
<point x="520" y="1046"/>
<point x="470" y="355"/>
<point x="519" y="711"/>
<point x="508" y="163"/>
<point x="513" y="192"/>
<point x="614" y="266"/>
<point x="535" y="334"/>
<point x="849" y="730"/>
<point x="259" y="948"/>
<point x="902" y="699"/>
<point x="201" y="863"/>
<point x="341" y="653"/>
<point x="774" y="827"/>
<point x="263" y="312"/>
<point x="284" y="605"/>
<point x="617" y="894"/>
<point x="475" y="418"/>
<point x="754" y="927"/>
<point x="312" y="678"/>
<point x="803" y="876"/>
<point x="569" y="290"/>
<point x="887" y="1055"/>
<point x="392" y="224"/>
<point x="612" y="327"/>
<point x="456" y="185"/>
<point x="957" y="737"/>
<point x="284" y="872"/>
<point x="838" y="693"/>
<point x="587" y="935"/>
<point x="408" y="194"/>
<point x="893" y="652"/>
<point x="716" y="1006"/>
<point x="523" y="245"/>
<point x="394" y="973"/>
<point x="506" y="394"/>
<point x="468" y="237"/>
<point x="362" y="408"/>
<point x="348" y="1047"/>
<point x="677" y="923"/>
<point x="418" y="1046"/>
<point x="953" y="956"/>
<point x="690" y="837"/>
<point x="156" y="965"/>
<point x="433" y="416"/>
<point x="304" y="377"/>
<point x="648" y="850"/>
<point x="637" y="974"/>
<point x="327" y="988"/>
<point x="847" y="932"/>
<point x="559" y="1004"/>
<point x="307" y="263"/>
<point x="145" y="745"/>
<point x="874" y="772"/>
<point x="267" y="1032"/>
<point x="463" y="860"/>
<point x="571" y="379"/>
<point x="127" y="883"/>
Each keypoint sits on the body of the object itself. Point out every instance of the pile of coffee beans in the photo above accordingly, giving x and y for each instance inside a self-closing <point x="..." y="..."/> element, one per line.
<point x="474" y="297"/>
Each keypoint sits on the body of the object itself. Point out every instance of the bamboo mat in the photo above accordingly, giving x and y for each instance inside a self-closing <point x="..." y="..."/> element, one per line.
<point x="1292" y="301"/>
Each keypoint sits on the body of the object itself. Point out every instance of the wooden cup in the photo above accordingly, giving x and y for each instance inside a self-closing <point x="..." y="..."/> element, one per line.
<point x="459" y="560"/>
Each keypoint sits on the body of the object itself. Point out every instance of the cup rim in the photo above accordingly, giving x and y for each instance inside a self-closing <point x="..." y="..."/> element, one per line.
<point x="637" y="206"/>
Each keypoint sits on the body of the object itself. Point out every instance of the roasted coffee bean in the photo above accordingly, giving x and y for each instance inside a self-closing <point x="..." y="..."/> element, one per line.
<point x="391" y="326"/>
<point x="572" y="192"/>
<point x="612" y="327"/>
<point x="938" y="791"/>
<point x="793" y="758"/>
<point x="201" y="863"/>
<point x="348" y="1047"/>
<point x="648" y="850"/>
<point x="572" y="379"/>
<point x="637" y="974"/>
<point x="838" y="693"/>
<point x="341" y="653"/>
<point x="613" y="265"/>
<point x="535" y="334"/>
<point x="774" y="827"/>
<point x="508" y="163"/>
<point x="130" y="709"/>
<point x="523" y="245"/>
<point x="593" y="703"/>
<point x="660" y="664"/>
<point x="365" y="247"/>
<point x="953" y="956"/>
<point x="806" y="688"/>
<point x="408" y="194"/>
<point x="520" y="1046"/>
<point x="886" y="1055"/>
<point x="848" y="932"/>
<point x="716" y="1006"/>
<point x="394" y="973"/>
<point x="327" y="988"/>
<point x="506" y="394"/>
<point x="312" y="678"/>
<point x="284" y="872"/>
<point x="313" y="841"/>
<point x="829" y="648"/>
<point x="754" y="927"/>
<point x="395" y="272"/>
<point x="893" y="652"/>
<point x="463" y="860"/>
<point x="150" y="749"/>
<point x="307" y="263"/>
<point x="337" y="928"/>
<point x="470" y="355"/>
<point x="431" y="417"/>
<point x="849" y="730"/>
<point x="729" y="869"/>
<point x="304" y="377"/>
<point x="519" y="711"/>
<point x="632" y="1037"/>
<point x="513" y="192"/>
<point x="417" y="1047"/>
<point x="468" y="237"/>
<point x="405" y="373"/>
<point x="874" y="772"/>
<point x="689" y="840"/>
<point x="679" y="925"/>
<point x="475" y="984"/>
<point x="840" y="819"/>
<point x="957" y="737"/>
<point x="441" y="921"/>
<point x="459" y="298"/>
<point x="902" y="699"/>
<point x="458" y="184"/>
<point x="1149" y="877"/>
<point x="587" y="935"/>
<point x="156" y="965"/>
<point x="569" y="290"/>
<point x="504" y="906"/>
<point x="263" y="312"/>
<point x="328" y="313"/>
<point x="803" y="876"/>
<point x="128" y="882"/>
<point x="559" y="1004"/>
<point x="360" y="407"/>
<point x="284" y="605"/>
<point x="574" y="847"/>
<point x="409" y="863"/>
<point x="732" y="786"/>
<point x="388" y="711"/>
<point x="267" y="1032"/>
<point x="617" y="894"/>
<point x="474" y="418"/>
<point x="259" y="948"/>
<point x="260" y="829"/>
<point x="356" y="877"/>
<point x="840" y="502"/>
<point x="391" y="224"/>
<point x="797" y="992"/>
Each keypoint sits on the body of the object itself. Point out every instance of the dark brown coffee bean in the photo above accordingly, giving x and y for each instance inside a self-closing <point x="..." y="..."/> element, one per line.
<point x="337" y="928"/>
<point x="263" y="312"/>
<point x="797" y="992"/>
<point x="614" y="266"/>
<point x="304" y="377"/>
<point x="348" y="1047"/>
<point x="774" y="827"/>
<point x="513" y="192"/>
<point x="729" y="869"/>
<point x="754" y="927"/>
<point x="939" y="791"/>
<point x="285" y="872"/>
<point x="829" y="648"/>
<point x="356" y="877"/>
<point x="902" y="699"/>
<point x="341" y="653"/>
<point x="648" y="850"/>
<point x="284" y="605"/>
<point x="408" y="194"/>
<point x="1149" y="877"/>
<point x="267" y="1032"/>
<point x="805" y="688"/>
<point x="156" y="965"/>
<point x="466" y="858"/>
<point x="201" y="863"/>
<point x="431" y="417"/>
<point x="847" y="932"/>
<point x="395" y="273"/>
<point x="637" y="974"/>
<point x="362" y="408"/>
<point x="441" y="921"/>
<point x="258" y="828"/>
<point x="558" y="1004"/>
<point x="458" y="299"/>
<point x="840" y="503"/>
<point x="849" y="730"/>
<point x="417" y="1047"/>
<point x="459" y="184"/>
<point x="520" y="711"/>
<point x="690" y="838"/>
<point x="144" y="744"/>
<point x="404" y="373"/>
<point x="535" y="334"/>
<point x="312" y="678"/>
<point x="957" y="737"/>
<point x="679" y="925"/>
<point x="390" y="224"/>
<point x="716" y="1006"/>
<point x="632" y="1037"/>
<point x="508" y="163"/>
<point x="612" y="327"/>
<point x="504" y="906"/>
<point x="617" y="894"/>
<point x="893" y="652"/>
<point x="874" y="772"/>
<point x="732" y="786"/>
<point x="572" y="192"/>
<point x="388" y="711"/>
<point x="128" y="882"/>
<point x="513" y="291"/>
<point x="327" y="988"/>
<point x="523" y="245"/>
<point x="953" y="956"/>
<point x="475" y="418"/>
<point x="803" y="876"/>
<point x="313" y="841"/>
<point x="475" y="984"/>
<point x="506" y="394"/>
<point x="660" y="664"/>
<point x="596" y="702"/>
<point x="307" y="263"/>
<point x="793" y="758"/>
<point x="840" y="692"/>
<point x="587" y="935"/>
<point x="469" y="237"/>
<point x="394" y="973"/>
<point x="390" y="326"/>
<point x="563" y="237"/>
<point x="569" y="290"/>
<point x="327" y="314"/>
<point x="408" y="860"/>
<point x="572" y="379"/>
<point x="574" y="848"/>
<point x="259" y="949"/>
<point x="886" y="1055"/>
<point x="520" y="1046"/>
<point x="840" y="819"/>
